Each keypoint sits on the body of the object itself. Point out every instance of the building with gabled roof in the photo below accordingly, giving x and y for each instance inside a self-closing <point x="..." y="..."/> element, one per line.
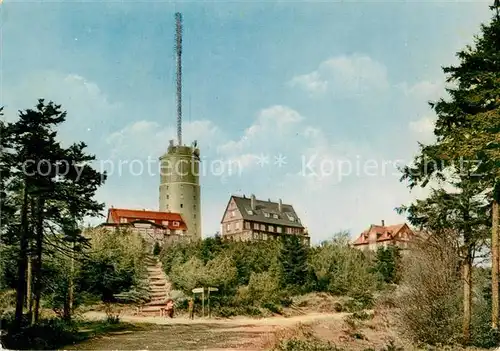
<point x="383" y="236"/>
<point x="153" y="226"/>
<point x="249" y="219"/>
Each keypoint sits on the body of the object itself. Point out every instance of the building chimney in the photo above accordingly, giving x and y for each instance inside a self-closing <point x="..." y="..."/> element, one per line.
<point x="280" y="206"/>
<point x="383" y="223"/>
<point x="252" y="202"/>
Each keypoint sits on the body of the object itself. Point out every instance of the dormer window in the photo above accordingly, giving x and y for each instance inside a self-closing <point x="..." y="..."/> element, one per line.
<point x="123" y="220"/>
<point x="176" y="224"/>
<point x="250" y="212"/>
<point x="164" y="222"/>
<point x="275" y="216"/>
<point x="290" y="217"/>
<point x="266" y="215"/>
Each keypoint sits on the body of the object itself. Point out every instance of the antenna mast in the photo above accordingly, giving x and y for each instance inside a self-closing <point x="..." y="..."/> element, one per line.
<point x="178" y="46"/>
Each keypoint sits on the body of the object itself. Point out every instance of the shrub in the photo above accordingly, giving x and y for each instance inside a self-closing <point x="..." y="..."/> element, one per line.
<point x="273" y="307"/>
<point x="226" y="312"/>
<point x="362" y="315"/>
<point x="341" y="269"/>
<point x="429" y="299"/>
<point x="48" y="334"/>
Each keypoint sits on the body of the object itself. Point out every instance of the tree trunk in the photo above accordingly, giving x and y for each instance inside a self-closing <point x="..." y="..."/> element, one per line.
<point x="494" y="266"/>
<point x="38" y="261"/>
<point x="69" y="307"/>
<point x="467" y="301"/>
<point x="22" y="260"/>
<point x="29" y="293"/>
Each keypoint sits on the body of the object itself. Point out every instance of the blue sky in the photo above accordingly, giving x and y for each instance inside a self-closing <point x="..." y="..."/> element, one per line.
<point x="318" y="83"/>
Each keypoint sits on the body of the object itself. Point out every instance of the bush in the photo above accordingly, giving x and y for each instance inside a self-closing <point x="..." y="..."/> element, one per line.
<point x="273" y="307"/>
<point x="48" y="334"/>
<point x="306" y="345"/>
<point x="340" y="269"/>
<point x="362" y="315"/>
<point x="429" y="298"/>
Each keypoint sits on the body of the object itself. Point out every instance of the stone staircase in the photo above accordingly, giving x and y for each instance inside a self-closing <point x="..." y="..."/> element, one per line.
<point x="159" y="288"/>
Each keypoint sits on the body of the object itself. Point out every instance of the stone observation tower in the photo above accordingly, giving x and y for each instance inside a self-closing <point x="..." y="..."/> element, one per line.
<point x="179" y="179"/>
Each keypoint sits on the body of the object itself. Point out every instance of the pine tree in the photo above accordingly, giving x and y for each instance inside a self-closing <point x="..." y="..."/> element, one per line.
<point x="54" y="186"/>
<point x="293" y="258"/>
<point x="468" y="128"/>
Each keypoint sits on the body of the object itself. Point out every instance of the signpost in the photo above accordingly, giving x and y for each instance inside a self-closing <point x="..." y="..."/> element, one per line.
<point x="209" y="290"/>
<point x="202" y="292"/>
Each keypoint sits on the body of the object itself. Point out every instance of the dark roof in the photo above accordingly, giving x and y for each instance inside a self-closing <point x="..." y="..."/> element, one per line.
<point x="263" y="207"/>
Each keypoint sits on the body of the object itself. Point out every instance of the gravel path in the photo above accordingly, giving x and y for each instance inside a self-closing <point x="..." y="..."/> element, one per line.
<point x="240" y="333"/>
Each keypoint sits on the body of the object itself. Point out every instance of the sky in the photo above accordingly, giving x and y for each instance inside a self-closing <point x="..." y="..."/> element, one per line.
<point x="314" y="103"/>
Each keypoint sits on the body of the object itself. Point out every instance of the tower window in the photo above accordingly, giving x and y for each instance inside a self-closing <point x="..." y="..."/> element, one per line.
<point x="167" y="197"/>
<point x="182" y="206"/>
<point x="182" y="196"/>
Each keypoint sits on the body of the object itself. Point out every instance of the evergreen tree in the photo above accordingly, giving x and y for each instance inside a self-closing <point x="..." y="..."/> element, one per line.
<point x="387" y="262"/>
<point x="467" y="144"/>
<point x="52" y="190"/>
<point x="294" y="261"/>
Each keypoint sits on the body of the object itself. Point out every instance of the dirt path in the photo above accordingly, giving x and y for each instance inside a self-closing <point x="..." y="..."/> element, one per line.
<point x="240" y="333"/>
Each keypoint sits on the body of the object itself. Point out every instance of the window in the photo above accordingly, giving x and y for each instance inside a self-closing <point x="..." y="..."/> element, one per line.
<point x="168" y="197"/>
<point x="256" y="226"/>
<point x="275" y="216"/>
<point x="237" y="225"/>
<point x="182" y="206"/>
<point x="233" y="213"/>
<point x="278" y="229"/>
<point x="176" y="224"/>
<point x="290" y="217"/>
<point x="164" y="222"/>
<point x="250" y="212"/>
<point x="194" y="207"/>
<point x="182" y="196"/>
<point x="228" y="227"/>
<point x="271" y="228"/>
<point x="266" y="214"/>
<point x="262" y="227"/>
<point x="123" y="220"/>
<point x="247" y="225"/>
<point x="288" y="230"/>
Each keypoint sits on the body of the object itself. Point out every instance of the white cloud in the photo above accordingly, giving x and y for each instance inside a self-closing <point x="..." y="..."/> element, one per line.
<point x="147" y="138"/>
<point x="423" y="128"/>
<point x="328" y="182"/>
<point x="271" y="123"/>
<point x="424" y="90"/>
<point x="88" y="108"/>
<point x="344" y="76"/>
<point x="311" y="82"/>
